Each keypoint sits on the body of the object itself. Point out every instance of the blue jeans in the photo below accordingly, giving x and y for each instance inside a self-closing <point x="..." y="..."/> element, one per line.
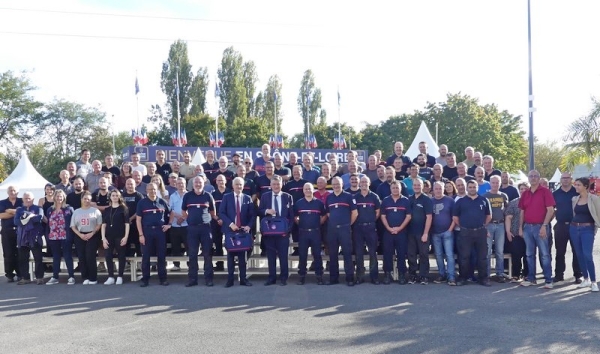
<point x="496" y="237"/>
<point x="583" y="240"/>
<point x="443" y="244"/>
<point x="61" y="248"/>
<point x="531" y="234"/>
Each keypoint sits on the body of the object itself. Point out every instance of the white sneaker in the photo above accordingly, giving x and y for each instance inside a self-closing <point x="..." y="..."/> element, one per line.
<point x="139" y="277"/>
<point x="595" y="287"/>
<point x="119" y="281"/>
<point x="71" y="281"/>
<point x="92" y="282"/>
<point x="548" y="286"/>
<point x="109" y="281"/>
<point x="526" y="283"/>
<point x="52" y="281"/>
<point x="175" y="269"/>
<point x="586" y="283"/>
<point x="86" y="282"/>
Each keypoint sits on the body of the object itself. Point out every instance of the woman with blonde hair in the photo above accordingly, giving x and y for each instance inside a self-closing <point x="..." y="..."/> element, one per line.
<point x="60" y="237"/>
<point x="160" y="185"/>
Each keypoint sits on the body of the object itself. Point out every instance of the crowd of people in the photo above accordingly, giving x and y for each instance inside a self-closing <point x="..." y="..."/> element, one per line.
<point x="401" y="208"/>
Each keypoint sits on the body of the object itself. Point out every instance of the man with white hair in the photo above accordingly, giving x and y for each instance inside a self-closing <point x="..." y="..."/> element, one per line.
<point x="8" y="233"/>
<point x="495" y="229"/>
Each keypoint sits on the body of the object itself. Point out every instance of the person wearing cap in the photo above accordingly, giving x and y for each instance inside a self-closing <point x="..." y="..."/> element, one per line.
<point x="8" y="234"/>
<point x="235" y="163"/>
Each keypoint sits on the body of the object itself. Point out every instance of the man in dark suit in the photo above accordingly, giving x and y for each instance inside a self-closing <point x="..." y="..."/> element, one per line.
<point x="276" y="203"/>
<point x="237" y="213"/>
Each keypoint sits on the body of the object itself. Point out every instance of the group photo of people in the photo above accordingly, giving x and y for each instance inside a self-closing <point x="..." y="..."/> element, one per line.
<point x="387" y="219"/>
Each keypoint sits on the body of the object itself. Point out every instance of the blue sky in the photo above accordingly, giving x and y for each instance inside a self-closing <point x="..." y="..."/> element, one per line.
<point x="387" y="57"/>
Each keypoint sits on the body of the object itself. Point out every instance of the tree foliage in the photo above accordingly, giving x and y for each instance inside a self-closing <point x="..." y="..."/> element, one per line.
<point x="233" y="93"/>
<point x="583" y="139"/>
<point x="176" y="69"/>
<point x="198" y="92"/>
<point x="309" y="101"/>
<point x="548" y="157"/>
<point x="17" y="107"/>
<point x="247" y="132"/>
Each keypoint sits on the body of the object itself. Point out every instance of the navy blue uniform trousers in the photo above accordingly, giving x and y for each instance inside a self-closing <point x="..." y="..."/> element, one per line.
<point x="199" y="235"/>
<point x="365" y="233"/>
<point x="156" y="241"/>
<point x="310" y="238"/>
<point x="340" y="235"/>
<point x="398" y="244"/>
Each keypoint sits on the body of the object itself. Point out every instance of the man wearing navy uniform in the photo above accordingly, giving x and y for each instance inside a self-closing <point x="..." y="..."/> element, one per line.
<point x="310" y="215"/>
<point x="472" y="214"/>
<point x="295" y="188"/>
<point x="396" y="213"/>
<point x="341" y="212"/>
<point x="152" y="222"/>
<point x="418" y="233"/>
<point x="263" y="185"/>
<point x="217" y="223"/>
<point x="8" y="207"/>
<point x="354" y="188"/>
<point x="384" y="188"/>
<point x="198" y="208"/>
<point x="364" y="230"/>
<point x="237" y="214"/>
<point x="279" y="204"/>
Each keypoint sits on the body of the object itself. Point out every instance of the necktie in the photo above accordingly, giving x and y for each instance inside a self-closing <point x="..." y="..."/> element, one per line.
<point x="238" y="212"/>
<point x="276" y="206"/>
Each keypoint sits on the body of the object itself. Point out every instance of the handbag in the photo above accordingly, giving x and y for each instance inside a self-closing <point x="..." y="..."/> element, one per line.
<point x="238" y="241"/>
<point x="274" y="226"/>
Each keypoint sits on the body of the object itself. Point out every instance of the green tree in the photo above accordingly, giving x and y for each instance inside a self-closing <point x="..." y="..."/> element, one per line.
<point x="161" y="135"/>
<point x="548" y="157"/>
<point x="198" y="92"/>
<point x="309" y="101"/>
<point x="198" y="126"/>
<point x="246" y="132"/>
<point x="233" y="94"/>
<point x="270" y="100"/>
<point x="17" y="107"/>
<point x="177" y="67"/>
<point x="250" y="80"/>
<point x="583" y="139"/>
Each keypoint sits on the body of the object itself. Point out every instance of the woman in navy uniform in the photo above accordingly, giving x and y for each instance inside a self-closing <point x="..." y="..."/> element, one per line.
<point x="279" y="204"/>
<point x="152" y="222"/>
<point x="310" y="215"/>
<point x="237" y="213"/>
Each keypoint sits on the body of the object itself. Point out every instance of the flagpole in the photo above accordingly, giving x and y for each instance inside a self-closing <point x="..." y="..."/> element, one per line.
<point x="178" y="109"/>
<point x="339" y="122"/>
<point x="275" y="121"/>
<point x="531" y="108"/>
<point x="307" y="120"/>
<point x="217" y="104"/>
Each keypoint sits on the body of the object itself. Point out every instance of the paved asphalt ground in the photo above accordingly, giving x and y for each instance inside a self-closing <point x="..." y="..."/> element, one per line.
<point x="298" y="319"/>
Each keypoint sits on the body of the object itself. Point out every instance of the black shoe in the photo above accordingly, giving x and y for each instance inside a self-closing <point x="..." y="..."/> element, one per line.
<point x="270" y="282"/>
<point x="166" y="283"/>
<point x="333" y="282"/>
<point x="10" y="279"/>
<point x="387" y="278"/>
<point x="312" y="267"/>
<point x="263" y="253"/>
<point x="301" y="281"/>
<point x="295" y="253"/>
<point x="229" y="284"/>
<point x="283" y="282"/>
<point x="209" y="283"/>
<point x="578" y="280"/>
<point x="350" y="283"/>
<point x="557" y="279"/>
<point x="219" y="268"/>
<point x="245" y="283"/>
<point x="320" y="281"/>
<point x="327" y="266"/>
<point x="144" y="284"/>
<point x="190" y="284"/>
<point x="402" y="279"/>
<point x="375" y="281"/>
<point x="485" y="283"/>
<point x="153" y="268"/>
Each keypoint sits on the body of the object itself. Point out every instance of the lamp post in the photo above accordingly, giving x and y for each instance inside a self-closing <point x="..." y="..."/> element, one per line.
<point x="531" y="108"/>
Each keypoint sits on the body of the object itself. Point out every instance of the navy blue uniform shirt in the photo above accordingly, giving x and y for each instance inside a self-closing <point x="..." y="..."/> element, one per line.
<point x="249" y="187"/>
<point x="263" y="184"/>
<point x="153" y="213"/>
<point x="472" y="213"/>
<point x="229" y="176"/>
<point x="309" y="213"/>
<point x="366" y="206"/>
<point x="6" y="204"/>
<point x="132" y="200"/>
<point x="405" y="161"/>
<point x="395" y="211"/>
<point x="294" y="188"/>
<point x="198" y="207"/>
<point x="421" y="207"/>
<point x="564" y="207"/>
<point x="339" y="208"/>
<point x="384" y="190"/>
<point x="511" y="192"/>
<point x="218" y="197"/>
<point x="353" y="193"/>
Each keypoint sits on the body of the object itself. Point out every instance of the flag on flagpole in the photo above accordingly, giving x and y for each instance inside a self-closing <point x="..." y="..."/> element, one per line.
<point x="183" y="138"/>
<point x="336" y="142"/>
<point x="280" y="142"/>
<point x="137" y="86"/>
<point x="221" y="138"/>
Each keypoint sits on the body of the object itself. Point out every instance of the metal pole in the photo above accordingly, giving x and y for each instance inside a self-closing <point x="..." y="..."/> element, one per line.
<point x="178" y="109"/>
<point x="436" y="133"/>
<point x="531" y="109"/>
<point x="307" y="120"/>
<point x="339" y="123"/>
<point x="275" y="119"/>
<point x="217" y="102"/>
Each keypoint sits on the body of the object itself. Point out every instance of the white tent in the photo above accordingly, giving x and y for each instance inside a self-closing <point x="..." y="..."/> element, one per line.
<point x="26" y="178"/>
<point x="423" y="135"/>
<point x="198" y="158"/>
<point x="556" y="177"/>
